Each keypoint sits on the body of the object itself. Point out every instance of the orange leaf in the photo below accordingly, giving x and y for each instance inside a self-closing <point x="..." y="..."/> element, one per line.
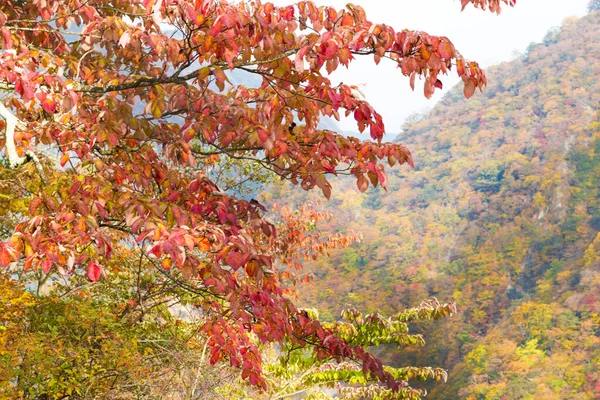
<point x="346" y="20"/>
<point x="64" y="159"/>
<point x="469" y="88"/>
<point x="460" y="67"/>
<point x="362" y="183"/>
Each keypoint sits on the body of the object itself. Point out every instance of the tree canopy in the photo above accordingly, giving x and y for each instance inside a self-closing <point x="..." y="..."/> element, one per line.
<point x="117" y="115"/>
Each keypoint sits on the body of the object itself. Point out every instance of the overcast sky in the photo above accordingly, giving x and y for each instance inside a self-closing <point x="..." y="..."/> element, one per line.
<point x="479" y="36"/>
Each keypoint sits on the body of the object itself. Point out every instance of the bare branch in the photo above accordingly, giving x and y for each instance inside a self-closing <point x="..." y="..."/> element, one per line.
<point x="153" y="81"/>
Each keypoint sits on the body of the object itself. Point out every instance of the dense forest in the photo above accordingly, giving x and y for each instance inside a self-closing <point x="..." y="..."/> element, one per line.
<point x="501" y="215"/>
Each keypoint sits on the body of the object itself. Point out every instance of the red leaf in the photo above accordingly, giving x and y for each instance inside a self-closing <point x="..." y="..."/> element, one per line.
<point x="4" y="256"/>
<point x="75" y="187"/>
<point x="299" y="59"/>
<point x="216" y="28"/>
<point x="358" y="115"/>
<point x="48" y="104"/>
<point x="46" y="265"/>
<point x="409" y="160"/>
<point x="253" y="378"/>
<point x="7" y="38"/>
<point x="236" y="260"/>
<point x="93" y="271"/>
<point x="332" y="14"/>
<point x="446" y="51"/>
<point x="263" y="135"/>
<point x="136" y="225"/>
<point x="330" y="49"/>
<point x="34" y="204"/>
<point x="245" y="373"/>
<point x="287" y="13"/>
<point x="216" y="356"/>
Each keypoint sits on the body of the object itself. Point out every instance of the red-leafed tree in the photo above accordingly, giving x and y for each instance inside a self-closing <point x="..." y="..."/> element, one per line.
<point x="134" y="100"/>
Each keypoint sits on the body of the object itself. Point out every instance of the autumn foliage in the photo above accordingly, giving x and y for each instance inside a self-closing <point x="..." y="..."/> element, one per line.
<point x="502" y="215"/>
<point x="126" y="108"/>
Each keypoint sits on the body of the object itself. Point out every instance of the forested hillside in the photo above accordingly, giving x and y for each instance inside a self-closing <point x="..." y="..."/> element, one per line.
<point x="502" y="215"/>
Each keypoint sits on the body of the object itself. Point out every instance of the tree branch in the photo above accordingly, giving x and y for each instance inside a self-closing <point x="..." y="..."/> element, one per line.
<point x="11" y="123"/>
<point x="151" y="81"/>
<point x="14" y="160"/>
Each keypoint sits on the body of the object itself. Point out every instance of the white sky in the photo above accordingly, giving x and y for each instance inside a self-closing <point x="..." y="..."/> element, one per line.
<point x="480" y="36"/>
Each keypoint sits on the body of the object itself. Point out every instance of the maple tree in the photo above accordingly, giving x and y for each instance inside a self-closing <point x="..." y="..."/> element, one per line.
<point x="121" y="111"/>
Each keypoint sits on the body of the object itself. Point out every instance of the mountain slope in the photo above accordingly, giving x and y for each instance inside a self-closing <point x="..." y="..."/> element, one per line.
<point x="501" y="214"/>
